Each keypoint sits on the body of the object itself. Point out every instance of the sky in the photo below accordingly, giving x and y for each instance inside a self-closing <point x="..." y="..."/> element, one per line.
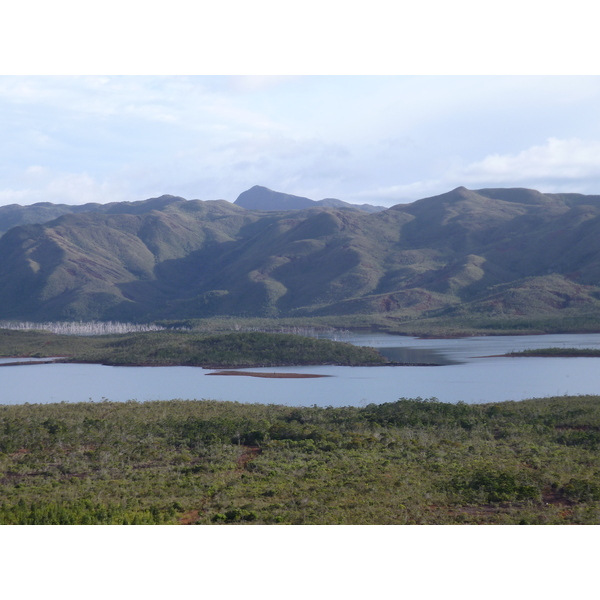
<point x="375" y="139"/>
<point x="384" y="106"/>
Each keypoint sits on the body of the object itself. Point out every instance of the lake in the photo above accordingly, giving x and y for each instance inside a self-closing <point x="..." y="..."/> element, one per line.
<point x="467" y="374"/>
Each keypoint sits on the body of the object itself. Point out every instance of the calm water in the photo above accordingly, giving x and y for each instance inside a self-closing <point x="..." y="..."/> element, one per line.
<point x="465" y="376"/>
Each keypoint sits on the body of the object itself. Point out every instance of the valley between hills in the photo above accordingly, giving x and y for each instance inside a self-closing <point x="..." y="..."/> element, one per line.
<point x="466" y="262"/>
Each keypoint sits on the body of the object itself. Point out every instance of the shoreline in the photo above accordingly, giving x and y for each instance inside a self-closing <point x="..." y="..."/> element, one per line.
<point x="67" y="361"/>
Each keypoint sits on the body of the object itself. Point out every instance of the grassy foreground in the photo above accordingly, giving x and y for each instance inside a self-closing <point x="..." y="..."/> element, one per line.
<point x="207" y="462"/>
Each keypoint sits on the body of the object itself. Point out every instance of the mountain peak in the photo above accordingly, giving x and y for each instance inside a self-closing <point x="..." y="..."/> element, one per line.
<point x="259" y="197"/>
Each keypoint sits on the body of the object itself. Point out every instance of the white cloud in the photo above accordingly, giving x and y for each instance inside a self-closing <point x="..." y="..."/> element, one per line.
<point x="253" y="83"/>
<point x="10" y="196"/>
<point x="36" y="170"/>
<point x="559" y="165"/>
<point x="557" y="159"/>
<point x="39" y="184"/>
<point x="376" y="139"/>
<point x="398" y="194"/>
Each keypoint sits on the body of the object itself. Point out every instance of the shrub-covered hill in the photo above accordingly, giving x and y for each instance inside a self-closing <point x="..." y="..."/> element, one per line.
<point x="167" y="348"/>
<point x="13" y="215"/>
<point x="486" y="254"/>
<point x="208" y="462"/>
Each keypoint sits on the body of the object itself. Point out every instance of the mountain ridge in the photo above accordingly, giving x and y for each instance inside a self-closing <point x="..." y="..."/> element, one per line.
<point x="494" y="252"/>
<point x="262" y="198"/>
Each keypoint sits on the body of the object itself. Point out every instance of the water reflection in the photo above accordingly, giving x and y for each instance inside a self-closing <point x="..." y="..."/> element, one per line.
<point x="416" y="356"/>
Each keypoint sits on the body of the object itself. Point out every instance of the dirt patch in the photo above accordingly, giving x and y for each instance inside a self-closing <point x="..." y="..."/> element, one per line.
<point x="269" y="375"/>
<point x="189" y="518"/>
<point x="555" y="497"/>
<point x="248" y="453"/>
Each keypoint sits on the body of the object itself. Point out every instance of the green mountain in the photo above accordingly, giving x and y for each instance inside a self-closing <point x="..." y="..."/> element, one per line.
<point x="492" y="253"/>
<point x="13" y="215"/>
<point x="257" y="198"/>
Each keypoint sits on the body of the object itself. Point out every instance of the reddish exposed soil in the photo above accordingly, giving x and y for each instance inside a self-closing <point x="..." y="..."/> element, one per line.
<point x="269" y="375"/>
<point x="189" y="518"/>
<point x="249" y="453"/>
<point x="550" y="496"/>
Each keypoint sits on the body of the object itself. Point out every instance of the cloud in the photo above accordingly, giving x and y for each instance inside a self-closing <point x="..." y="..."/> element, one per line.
<point x="573" y="159"/>
<point x="10" y="196"/>
<point x="39" y="184"/>
<point x="559" y="165"/>
<point x="398" y="194"/>
<point x="253" y="83"/>
<point x="383" y="140"/>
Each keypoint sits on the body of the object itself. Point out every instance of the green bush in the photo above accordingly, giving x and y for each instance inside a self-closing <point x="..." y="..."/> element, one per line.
<point x="234" y="515"/>
<point x="488" y="485"/>
<point x="588" y="439"/>
<point x="406" y="462"/>
<point x="582" y="490"/>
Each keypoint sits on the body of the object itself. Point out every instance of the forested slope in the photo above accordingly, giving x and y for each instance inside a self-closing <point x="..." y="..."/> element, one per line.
<point x="492" y="253"/>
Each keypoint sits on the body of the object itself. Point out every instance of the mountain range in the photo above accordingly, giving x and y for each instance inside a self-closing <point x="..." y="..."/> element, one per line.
<point x="257" y="198"/>
<point x="493" y="252"/>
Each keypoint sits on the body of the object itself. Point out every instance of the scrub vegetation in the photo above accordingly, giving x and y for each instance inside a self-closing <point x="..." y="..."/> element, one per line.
<point x="169" y="348"/>
<point x="558" y="352"/>
<point x="434" y="327"/>
<point x="412" y="461"/>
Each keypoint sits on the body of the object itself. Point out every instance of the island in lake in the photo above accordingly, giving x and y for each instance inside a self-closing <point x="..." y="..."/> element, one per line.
<point x="557" y="352"/>
<point x="184" y="348"/>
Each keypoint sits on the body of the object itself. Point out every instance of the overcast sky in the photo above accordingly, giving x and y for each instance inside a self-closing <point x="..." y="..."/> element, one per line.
<point x="376" y="139"/>
<point x="68" y="137"/>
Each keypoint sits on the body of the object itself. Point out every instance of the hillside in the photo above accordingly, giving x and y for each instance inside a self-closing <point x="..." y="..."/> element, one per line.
<point x="533" y="462"/>
<point x="13" y="215"/>
<point x="256" y="198"/>
<point x="491" y="253"/>
<point x="262" y="198"/>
